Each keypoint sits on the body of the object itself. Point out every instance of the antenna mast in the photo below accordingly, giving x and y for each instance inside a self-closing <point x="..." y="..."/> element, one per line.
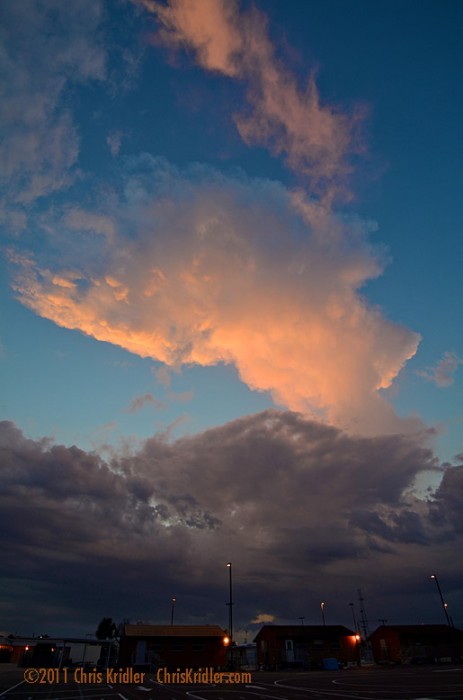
<point x="367" y="652"/>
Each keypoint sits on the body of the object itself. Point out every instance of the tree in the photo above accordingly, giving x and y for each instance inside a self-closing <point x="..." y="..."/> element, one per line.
<point x="107" y="629"/>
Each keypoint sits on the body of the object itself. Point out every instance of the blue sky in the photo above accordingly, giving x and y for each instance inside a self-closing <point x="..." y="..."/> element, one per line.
<point x="210" y="211"/>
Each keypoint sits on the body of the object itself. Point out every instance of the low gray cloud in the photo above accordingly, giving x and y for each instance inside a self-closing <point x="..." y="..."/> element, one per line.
<point x="447" y="507"/>
<point x="404" y="526"/>
<point x="443" y="374"/>
<point x="301" y="509"/>
<point x="140" y="402"/>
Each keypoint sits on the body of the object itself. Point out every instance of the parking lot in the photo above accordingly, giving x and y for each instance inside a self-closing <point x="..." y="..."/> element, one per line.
<point x="430" y="683"/>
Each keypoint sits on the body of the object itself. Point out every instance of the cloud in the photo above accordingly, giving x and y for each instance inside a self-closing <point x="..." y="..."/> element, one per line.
<point x="407" y="526"/>
<point x="77" y="219"/>
<point x="163" y="375"/>
<point x="210" y="27"/>
<point x="40" y="144"/>
<point x="221" y="269"/>
<point x="262" y="619"/>
<point x="301" y="509"/>
<point x="316" y="139"/>
<point x="194" y="267"/>
<point x="448" y="503"/>
<point x="114" y="140"/>
<point x="140" y="402"/>
<point x="442" y="375"/>
<point x="181" y="397"/>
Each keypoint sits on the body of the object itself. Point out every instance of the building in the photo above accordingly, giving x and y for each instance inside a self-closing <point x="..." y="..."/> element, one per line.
<point x="244" y="657"/>
<point x="52" y="652"/>
<point x="173" y="646"/>
<point x="305" y="646"/>
<point x="416" y="644"/>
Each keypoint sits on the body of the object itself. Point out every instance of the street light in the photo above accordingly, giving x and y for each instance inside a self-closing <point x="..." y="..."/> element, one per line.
<point x="173" y="601"/>
<point x="322" y="608"/>
<point x="351" y="605"/>
<point x="230" y="613"/>
<point x="444" y="605"/>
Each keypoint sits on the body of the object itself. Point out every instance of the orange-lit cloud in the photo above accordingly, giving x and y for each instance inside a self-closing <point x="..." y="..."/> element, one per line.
<point x="316" y="139"/>
<point x="232" y="271"/>
<point x="213" y="28"/>
<point x="262" y="619"/>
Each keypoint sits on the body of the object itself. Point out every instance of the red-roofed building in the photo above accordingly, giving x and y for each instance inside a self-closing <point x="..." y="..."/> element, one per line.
<point x="174" y="646"/>
<point x="416" y="644"/>
<point x="305" y="646"/>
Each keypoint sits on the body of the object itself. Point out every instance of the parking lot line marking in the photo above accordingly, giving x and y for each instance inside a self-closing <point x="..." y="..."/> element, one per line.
<point x="12" y="688"/>
<point x="331" y="693"/>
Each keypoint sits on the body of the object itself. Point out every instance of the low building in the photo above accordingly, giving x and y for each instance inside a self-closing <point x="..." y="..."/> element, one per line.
<point x="52" y="652"/>
<point x="244" y="657"/>
<point x="173" y="646"/>
<point x="416" y="644"/>
<point x="305" y="646"/>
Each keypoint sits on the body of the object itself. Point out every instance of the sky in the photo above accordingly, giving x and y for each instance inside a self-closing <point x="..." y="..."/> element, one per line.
<point x="231" y="318"/>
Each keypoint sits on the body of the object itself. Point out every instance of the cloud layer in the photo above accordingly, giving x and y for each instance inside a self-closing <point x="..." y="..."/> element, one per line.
<point x="274" y="493"/>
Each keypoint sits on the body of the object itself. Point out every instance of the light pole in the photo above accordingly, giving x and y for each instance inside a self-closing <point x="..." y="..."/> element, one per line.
<point x="173" y="601"/>
<point x="230" y="613"/>
<point x="444" y="605"/>
<point x="351" y="605"/>
<point x="322" y="608"/>
<point x="89" y="634"/>
<point x="358" y="639"/>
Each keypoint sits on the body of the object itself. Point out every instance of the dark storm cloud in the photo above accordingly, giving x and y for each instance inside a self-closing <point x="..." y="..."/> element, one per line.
<point x="447" y="509"/>
<point x="405" y="526"/>
<point x="275" y="493"/>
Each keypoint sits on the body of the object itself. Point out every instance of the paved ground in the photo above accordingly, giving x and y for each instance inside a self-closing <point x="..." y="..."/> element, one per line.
<point x="433" y="683"/>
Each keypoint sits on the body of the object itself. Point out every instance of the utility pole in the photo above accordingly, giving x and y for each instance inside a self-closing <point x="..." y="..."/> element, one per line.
<point x="322" y="608"/>
<point x="173" y="601"/>
<point x="367" y="650"/>
<point x="230" y="613"/>
<point x="356" y="627"/>
<point x="444" y="605"/>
